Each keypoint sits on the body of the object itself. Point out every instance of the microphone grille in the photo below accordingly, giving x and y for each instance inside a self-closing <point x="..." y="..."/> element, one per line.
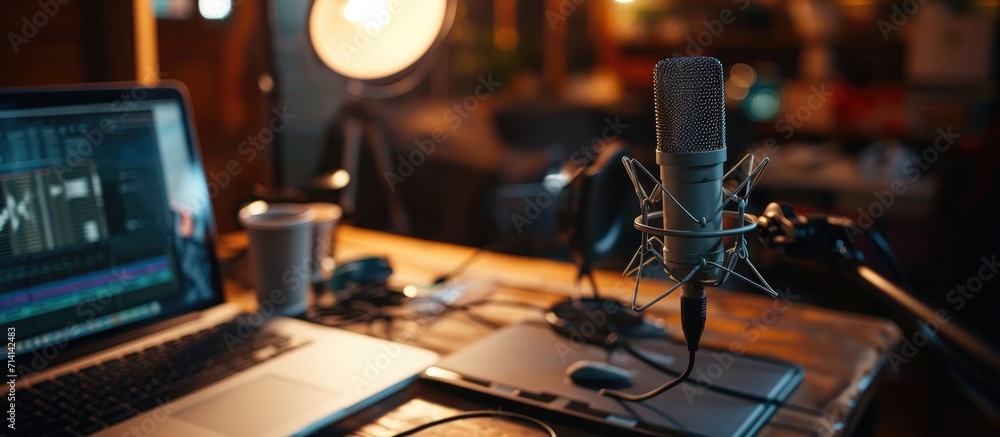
<point x="690" y="105"/>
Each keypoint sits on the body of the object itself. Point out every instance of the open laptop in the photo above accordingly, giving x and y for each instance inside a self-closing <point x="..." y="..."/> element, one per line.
<point x="110" y="292"/>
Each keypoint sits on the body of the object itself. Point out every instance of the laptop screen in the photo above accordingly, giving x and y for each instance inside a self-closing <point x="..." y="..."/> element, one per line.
<point x="105" y="217"/>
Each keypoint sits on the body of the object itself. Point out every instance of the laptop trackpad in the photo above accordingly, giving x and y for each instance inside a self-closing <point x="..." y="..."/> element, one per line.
<point x="258" y="407"/>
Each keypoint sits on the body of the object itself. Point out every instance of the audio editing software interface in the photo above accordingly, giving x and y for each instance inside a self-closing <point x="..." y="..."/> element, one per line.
<point x="87" y="239"/>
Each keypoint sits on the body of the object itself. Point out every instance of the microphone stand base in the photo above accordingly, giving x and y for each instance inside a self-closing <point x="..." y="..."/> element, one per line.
<point x="600" y="321"/>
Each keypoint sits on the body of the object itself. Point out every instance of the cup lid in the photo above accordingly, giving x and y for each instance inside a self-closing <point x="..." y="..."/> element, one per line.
<point x="263" y="215"/>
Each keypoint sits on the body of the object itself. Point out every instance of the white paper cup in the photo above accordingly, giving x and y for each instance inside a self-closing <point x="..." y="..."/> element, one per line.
<point x="281" y="243"/>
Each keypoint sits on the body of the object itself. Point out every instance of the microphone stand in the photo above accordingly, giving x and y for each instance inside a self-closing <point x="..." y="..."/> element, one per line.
<point x="891" y="292"/>
<point x="825" y="239"/>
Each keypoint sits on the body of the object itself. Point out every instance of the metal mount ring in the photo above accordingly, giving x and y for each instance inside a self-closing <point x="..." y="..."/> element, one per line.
<point x="750" y="223"/>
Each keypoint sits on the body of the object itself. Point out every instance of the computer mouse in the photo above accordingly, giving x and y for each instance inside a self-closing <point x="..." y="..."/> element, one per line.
<point x="596" y="374"/>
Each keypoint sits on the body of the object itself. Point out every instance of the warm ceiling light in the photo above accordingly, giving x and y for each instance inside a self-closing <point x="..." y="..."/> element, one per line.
<point x="215" y="9"/>
<point x="339" y="179"/>
<point x="374" y="39"/>
<point x="365" y="13"/>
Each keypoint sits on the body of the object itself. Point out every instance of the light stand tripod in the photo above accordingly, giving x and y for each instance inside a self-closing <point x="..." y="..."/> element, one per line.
<point x="362" y="124"/>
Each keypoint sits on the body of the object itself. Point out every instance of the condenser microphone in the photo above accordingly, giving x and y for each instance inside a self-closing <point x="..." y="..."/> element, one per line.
<point x="684" y="232"/>
<point x="691" y="153"/>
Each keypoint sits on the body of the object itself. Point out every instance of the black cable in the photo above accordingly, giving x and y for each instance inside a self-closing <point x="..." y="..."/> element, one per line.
<point x="473" y="316"/>
<point x="476" y="414"/>
<point x="628" y="347"/>
<point x="693" y="316"/>
<point x="717" y="388"/>
<point x="465" y="309"/>
<point x="637" y="398"/>
<point x="462" y="266"/>
<point x="346" y="314"/>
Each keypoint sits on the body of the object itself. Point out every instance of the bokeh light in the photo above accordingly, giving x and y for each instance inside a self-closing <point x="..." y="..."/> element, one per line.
<point x="762" y="104"/>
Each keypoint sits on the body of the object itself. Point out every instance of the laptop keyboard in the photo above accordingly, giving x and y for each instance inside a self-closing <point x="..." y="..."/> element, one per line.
<point x="96" y="397"/>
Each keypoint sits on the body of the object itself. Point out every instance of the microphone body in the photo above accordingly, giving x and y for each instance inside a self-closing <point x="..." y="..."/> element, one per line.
<point x="691" y="153"/>
<point x="695" y="180"/>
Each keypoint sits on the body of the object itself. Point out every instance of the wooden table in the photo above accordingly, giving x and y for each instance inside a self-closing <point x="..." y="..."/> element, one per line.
<point x="842" y="353"/>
